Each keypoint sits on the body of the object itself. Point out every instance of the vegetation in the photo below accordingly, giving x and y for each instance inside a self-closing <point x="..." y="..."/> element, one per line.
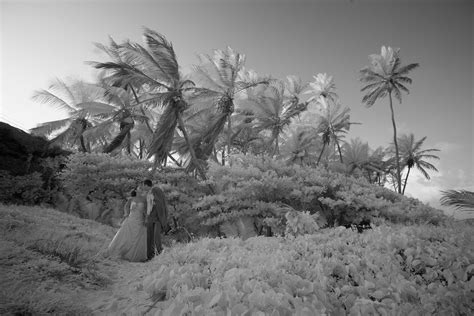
<point x="237" y="154"/>
<point x="45" y="256"/>
<point x="387" y="270"/>
<point x="459" y="199"/>
<point x="386" y="76"/>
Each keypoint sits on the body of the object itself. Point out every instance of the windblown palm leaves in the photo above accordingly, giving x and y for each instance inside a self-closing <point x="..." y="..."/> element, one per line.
<point x="82" y="101"/>
<point x="271" y="111"/>
<point x="459" y="199"/>
<point x="333" y="121"/>
<point x="322" y="87"/>
<point x="413" y="155"/>
<point x="386" y="76"/>
<point x="359" y="157"/>
<point x="222" y="79"/>
<point x="154" y="70"/>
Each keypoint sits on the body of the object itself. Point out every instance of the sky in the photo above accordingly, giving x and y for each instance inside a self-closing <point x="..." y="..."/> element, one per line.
<point x="45" y="39"/>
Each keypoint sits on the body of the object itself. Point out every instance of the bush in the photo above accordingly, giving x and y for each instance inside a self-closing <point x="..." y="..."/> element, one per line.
<point x="389" y="270"/>
<point x="107" y="181"/>
<point x="267" y="189"/>
<point x="26" y="189"/>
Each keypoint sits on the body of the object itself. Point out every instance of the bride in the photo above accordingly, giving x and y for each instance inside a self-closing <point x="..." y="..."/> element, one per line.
<point x="129" y="242"/>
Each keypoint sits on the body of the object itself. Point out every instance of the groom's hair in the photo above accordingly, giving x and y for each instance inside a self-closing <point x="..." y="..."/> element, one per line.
<point x="148" y="182"/>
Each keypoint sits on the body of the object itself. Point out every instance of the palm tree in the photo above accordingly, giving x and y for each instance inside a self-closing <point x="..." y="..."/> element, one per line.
<point x="359" y="156"/>
<point x="121" y="111"/>
<point x="222" y="79"/>
<point x="459" y="199"/>
<point x="322" y="87"/>
<point x="81" y="101"/>
<point x="333" y="120"/>
<point x="413" y="156"/>
<point x="299" y="146"/>
<point x="155" y="71"/>
<point x="271" y="111"/>
<point x="385" y="76"/>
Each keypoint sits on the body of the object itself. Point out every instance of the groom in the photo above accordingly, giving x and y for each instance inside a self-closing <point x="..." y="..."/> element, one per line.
<point x="156" y="218"/>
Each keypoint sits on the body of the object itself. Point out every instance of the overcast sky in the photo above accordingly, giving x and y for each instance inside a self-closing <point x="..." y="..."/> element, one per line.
<point x="41" y="40"/>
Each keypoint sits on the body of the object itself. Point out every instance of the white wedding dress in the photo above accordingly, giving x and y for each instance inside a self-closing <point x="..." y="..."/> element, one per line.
<point x="129" y="242"/>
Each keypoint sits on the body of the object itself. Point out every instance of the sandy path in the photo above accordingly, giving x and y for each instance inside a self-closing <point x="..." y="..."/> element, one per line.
<point x="125" y="296"/>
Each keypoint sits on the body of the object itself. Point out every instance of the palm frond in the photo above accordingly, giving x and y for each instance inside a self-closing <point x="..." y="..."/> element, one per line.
<point x="45" y="129"/>
<point x="163" y="52"/>
<point x="46" y="97"/>
<point x="406" y="69"/>
<point x="459" y="199"/>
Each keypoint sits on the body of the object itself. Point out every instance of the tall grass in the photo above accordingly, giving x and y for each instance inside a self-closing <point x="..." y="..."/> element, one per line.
<point x="45" y="257"/>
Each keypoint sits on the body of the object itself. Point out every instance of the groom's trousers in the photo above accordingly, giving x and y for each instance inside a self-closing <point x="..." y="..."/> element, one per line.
<point x="153" y="239"/>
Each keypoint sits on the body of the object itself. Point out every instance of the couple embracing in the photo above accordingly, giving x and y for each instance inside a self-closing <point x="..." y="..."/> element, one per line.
<point x="139" y="237"/>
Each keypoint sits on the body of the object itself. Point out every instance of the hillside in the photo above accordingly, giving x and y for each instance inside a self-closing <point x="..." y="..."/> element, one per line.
<point x="51" y="263"/>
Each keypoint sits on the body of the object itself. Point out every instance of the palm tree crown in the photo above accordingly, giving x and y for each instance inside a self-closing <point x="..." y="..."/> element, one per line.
<point x="412" y="155"/>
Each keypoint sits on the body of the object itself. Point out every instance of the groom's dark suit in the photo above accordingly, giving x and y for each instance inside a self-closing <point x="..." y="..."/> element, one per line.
<point x="157" y="221"/>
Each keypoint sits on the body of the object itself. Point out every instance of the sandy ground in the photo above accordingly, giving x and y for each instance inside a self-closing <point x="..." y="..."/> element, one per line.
<point x="125" y="296"/>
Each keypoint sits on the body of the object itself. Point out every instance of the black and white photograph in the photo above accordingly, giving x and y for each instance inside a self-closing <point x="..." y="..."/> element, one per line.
<point x="237" y="157"/>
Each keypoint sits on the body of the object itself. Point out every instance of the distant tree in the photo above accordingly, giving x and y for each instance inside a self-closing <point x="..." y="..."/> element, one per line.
<point x="271" y="111"/>
<point x="412" y="155"/>
<point x="333" y="122"/>
<point x="221" y="79"/>
<point x="82" y="101"/>
<point x="385" y="76"/>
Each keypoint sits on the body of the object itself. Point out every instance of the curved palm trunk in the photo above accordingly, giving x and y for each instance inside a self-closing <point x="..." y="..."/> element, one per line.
<point x="339" y="150"/>
<point x="399" y="176"/>
<point x="191" y="149"/>
<point x="406" y="180"/>
<point x="229" y="134"/>
<point x="321" y="154"/>
<point x="83" y="144"/>
<point x="125" y="128"/>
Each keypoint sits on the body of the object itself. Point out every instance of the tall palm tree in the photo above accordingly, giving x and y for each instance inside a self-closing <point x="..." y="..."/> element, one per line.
<point x="222" y="79"/>
<point x="459" y="199"/>
<point x="81" y="101"/>
<point x="413" y="156"/>
<point x="155" y="71"/>
<point x="386" y="76"/>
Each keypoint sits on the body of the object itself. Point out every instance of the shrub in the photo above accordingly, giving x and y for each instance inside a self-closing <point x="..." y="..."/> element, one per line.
<point x="267" y="189"/>
<point x="108" y="180"/>
<point x="26" y="189"/>
<point x="389" y="270"/>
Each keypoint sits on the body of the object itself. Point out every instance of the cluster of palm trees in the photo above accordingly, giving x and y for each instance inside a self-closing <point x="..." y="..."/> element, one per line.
<point x="142" y="105"/>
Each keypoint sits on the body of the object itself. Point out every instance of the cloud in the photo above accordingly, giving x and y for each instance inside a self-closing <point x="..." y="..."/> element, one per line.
<point x="429" y="191"/>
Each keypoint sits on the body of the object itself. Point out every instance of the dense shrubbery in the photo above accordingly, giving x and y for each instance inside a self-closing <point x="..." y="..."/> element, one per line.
<point x="267" y="189"/>
<point x="108" y="181"/>
<point x="389" y="270"/>
<point x="26" y="189"/>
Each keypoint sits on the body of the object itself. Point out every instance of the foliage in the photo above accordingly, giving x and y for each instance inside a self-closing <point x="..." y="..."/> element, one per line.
<point x="387" y="270"/>
<point x="386" y="76"/>
<point x="105" y="179"/>
<point x="45" y="256"/>
<point x="26" y="189"/>
<point x="267" y="189"/>
<point x="459" y="199"/>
